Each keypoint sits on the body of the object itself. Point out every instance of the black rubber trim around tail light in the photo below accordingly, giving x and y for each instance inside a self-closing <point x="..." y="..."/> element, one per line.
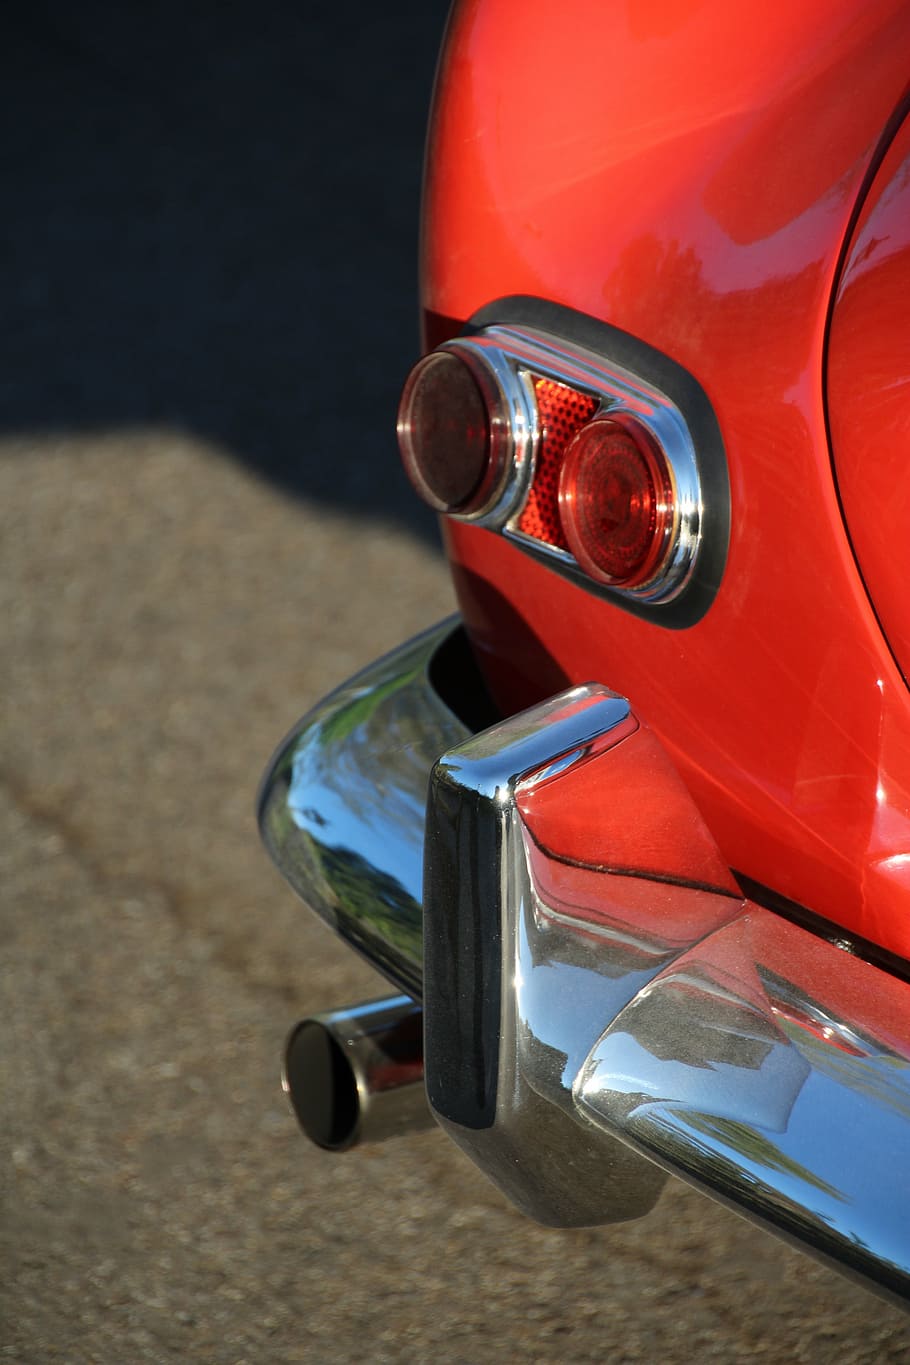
<point x="665" y="374"/>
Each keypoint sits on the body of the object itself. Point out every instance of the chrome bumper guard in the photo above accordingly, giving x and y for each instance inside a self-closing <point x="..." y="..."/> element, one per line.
<point x="601" y="1004"/>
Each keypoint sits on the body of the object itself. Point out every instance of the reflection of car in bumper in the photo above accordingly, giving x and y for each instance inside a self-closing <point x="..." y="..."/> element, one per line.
<point x="601" y="1003"/>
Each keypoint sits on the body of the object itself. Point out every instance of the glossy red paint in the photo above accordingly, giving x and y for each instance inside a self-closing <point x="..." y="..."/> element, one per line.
<point x="869" y="393"/>
<point x="691" y="177"/>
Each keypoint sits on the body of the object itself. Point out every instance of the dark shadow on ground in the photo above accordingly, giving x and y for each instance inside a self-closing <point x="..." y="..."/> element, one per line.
<point x="210" y="221"/>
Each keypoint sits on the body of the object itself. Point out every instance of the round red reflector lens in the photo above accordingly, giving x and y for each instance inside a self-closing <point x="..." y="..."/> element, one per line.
<point x="616" y="502"/>
<point x="444" y="434"/>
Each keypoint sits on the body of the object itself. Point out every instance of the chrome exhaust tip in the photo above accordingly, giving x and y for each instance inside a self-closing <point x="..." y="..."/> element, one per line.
<point x="356" y="1074"/>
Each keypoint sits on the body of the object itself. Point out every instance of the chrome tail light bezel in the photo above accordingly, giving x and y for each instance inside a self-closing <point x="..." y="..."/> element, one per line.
<point x="518" y="356"/>
<point x="517" y="342"/>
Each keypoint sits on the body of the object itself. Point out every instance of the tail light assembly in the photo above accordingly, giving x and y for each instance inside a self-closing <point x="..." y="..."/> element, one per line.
<point x="574" y="457"/>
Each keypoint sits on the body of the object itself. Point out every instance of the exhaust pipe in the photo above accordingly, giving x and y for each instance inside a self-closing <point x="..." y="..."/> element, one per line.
<point x="356" y="1074"/>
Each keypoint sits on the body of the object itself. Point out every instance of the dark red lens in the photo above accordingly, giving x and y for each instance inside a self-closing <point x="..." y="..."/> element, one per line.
<point x="444" y="433"/>
<point x="616" y="502"/>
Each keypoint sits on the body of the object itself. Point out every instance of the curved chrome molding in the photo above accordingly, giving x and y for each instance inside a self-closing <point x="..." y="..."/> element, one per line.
<point x="341" y="806"/>
<point x="513" y="986"/>
<point x="517" y="353"/>
<point x="732" y="1048"/>
<point x="773" y="1070"/>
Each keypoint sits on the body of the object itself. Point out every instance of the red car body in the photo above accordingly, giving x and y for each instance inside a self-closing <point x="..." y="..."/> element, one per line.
<point x="727" y="188"/>
<point x="712" y="179"/>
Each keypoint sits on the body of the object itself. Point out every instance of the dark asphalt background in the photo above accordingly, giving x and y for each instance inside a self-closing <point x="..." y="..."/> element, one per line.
<point x="209" y="302"/>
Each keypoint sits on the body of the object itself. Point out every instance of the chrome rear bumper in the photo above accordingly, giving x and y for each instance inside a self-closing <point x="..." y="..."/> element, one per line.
<point x="601" y="1003"/>
<point x="342" y="805"/>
